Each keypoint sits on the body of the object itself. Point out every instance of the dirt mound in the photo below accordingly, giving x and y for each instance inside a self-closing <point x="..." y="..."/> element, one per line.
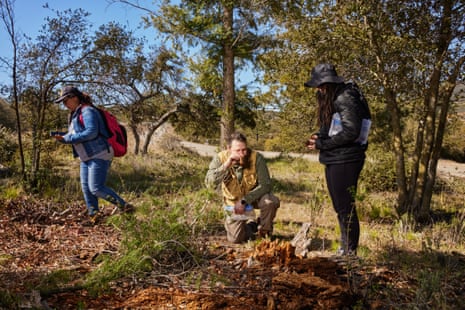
<point x="39" y="238"/>
<point x="270" y="277"/>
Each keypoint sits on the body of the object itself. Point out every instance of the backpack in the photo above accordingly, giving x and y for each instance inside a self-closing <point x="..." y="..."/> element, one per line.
<point x="366" y="122"/>
<point x="118" y="138"/>
<point x="363" y="100"/>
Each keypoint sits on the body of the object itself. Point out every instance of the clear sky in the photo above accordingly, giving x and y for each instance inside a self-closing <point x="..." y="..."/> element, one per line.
<point x="30" y="16"/>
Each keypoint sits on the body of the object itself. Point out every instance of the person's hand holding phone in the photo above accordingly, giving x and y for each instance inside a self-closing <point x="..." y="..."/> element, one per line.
<point x="58" y="135"/>
<point x="239" y="207"/>
<point x="311" y="143"/>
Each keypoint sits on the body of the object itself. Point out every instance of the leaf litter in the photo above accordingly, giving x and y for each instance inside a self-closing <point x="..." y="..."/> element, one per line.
<point x="41" y="237"/>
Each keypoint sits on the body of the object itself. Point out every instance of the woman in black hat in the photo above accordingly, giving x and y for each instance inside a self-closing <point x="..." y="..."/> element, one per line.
<point x="343" y="113"/>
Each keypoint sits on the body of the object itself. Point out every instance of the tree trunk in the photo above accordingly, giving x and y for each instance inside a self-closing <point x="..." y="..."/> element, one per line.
<point x="227" y="117"/>
<point x="136" y="138"/>
<point x="9" y="21"/>
<point x="396" y="120"/>
<point x="37" y="132"/>
<point x="445" y="105"/>
<point x="398" y="148"/>
<point x="155" y="126"/>
<point x="432" y="137"/>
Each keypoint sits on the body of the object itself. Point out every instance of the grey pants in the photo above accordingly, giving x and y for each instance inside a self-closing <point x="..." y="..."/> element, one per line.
<point x="240" y="231"/>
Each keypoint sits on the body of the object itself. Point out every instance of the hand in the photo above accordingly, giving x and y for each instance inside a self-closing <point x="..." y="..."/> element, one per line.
<point x="311" y="143"/>
<point x="59" y="138"/>
<point x="239" y="208"/>
<point x="232" y="160"/>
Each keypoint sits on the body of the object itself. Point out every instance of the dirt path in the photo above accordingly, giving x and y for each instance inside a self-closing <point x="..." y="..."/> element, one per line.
<point x="445" y="167"/>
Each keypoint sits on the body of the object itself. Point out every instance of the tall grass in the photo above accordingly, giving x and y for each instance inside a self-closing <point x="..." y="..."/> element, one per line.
<point x="173" y="209"/>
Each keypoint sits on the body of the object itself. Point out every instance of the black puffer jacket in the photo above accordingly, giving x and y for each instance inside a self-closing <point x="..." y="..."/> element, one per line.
<point x="342" y="148"/>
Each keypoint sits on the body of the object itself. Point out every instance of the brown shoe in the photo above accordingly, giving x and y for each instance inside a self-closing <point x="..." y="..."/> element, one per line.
<point x="263" y="233"/>
<point x="128" y="208"/>
<point x="93" y="220"/>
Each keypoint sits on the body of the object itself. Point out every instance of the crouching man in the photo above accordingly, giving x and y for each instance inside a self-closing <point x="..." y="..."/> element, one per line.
<point x="245" y="183"/>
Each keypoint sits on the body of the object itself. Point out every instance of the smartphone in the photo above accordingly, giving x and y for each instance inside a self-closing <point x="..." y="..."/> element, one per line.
<point x="57" y="133"/>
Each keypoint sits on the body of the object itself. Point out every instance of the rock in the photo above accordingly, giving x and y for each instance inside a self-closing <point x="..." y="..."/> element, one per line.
<point x="302" y="241"/>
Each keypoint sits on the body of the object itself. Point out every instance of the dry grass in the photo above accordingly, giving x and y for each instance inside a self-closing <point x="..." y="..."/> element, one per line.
<point x="425" y="260"/>
<point x="424" y="267"/>
<point x="304" y="198"/>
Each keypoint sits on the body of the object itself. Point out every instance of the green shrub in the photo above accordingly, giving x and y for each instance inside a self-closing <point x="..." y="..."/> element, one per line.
<point x="379" y="174"/>
<point x="8" y="145"/>
<point x="454" y="145"/>
<point x="7" y="115"/>
<point x="156" y="242"/>
<point x="8" y="300"/>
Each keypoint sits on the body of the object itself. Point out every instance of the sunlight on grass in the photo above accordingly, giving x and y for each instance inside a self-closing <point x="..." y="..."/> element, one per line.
<point x="174" y="209"/>
<point x="12" y="192"/>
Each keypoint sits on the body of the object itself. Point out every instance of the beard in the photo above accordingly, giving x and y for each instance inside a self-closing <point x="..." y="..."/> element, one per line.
<point x="244" y="162"/>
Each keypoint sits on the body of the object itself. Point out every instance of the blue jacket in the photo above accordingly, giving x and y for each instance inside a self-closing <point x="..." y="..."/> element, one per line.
<point x="88" y="130"/>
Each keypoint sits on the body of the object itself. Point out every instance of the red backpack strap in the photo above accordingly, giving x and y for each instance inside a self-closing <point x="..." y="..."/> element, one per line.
<point x="81" y="119"/>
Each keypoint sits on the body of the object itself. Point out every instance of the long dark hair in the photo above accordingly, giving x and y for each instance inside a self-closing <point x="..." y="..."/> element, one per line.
<point x="85" y="98"/>
<point x="326" y="103"/>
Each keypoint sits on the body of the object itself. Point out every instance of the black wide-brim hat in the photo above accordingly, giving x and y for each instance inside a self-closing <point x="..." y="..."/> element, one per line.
<point x="323" y="73"/>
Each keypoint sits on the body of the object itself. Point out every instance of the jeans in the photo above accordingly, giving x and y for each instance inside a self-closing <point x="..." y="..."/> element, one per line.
<point x="93" y="177"/>
<point x="342" y="181"/>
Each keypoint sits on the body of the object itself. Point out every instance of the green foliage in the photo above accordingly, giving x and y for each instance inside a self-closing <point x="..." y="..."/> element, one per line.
<point x="383" y="51"/>
<point x="454" y="144"/>
<point x="141" y="82"/>
<point x="54" y="184"/>
<point x="430" y="289"/>
<point x="159" y="174"/>
<point x="160" y="238"/>
<point x="55" y="55"/>
<point x="228" y="36"/>
<point x="56" y="279"/>
<point x="8" y="300"/>
<point x="8" y="145"/>
<point x="158" y="242"/>
<point x="382" y="210"/>
<point x="378" y="174"/>
<point x="292" y="127"/>
<point x="11" y="191"/>
<point x="7" y="115"/>
<point x="458" y="227"/>
<point x="202" y="121"/>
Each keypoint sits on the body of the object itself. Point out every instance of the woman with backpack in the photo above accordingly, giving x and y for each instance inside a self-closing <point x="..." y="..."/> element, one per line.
<point x="88" y="136"/>
<point x="344" y="120"/>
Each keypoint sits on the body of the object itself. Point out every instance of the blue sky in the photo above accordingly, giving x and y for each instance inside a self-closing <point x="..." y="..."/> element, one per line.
<point x="30" y="16"/>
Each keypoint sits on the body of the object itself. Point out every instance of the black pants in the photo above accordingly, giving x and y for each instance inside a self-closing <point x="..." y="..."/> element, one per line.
<point x="341" y="180"/>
